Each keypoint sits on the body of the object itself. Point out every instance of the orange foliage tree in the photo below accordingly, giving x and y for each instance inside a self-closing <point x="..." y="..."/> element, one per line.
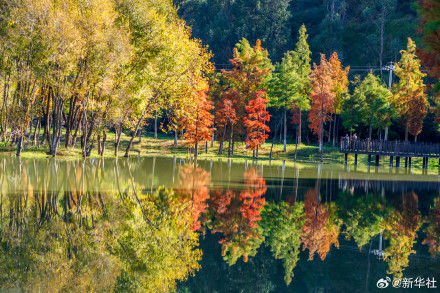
<point x="323" y="98"/>
<point x="401" y="230"/>
<point x="199" y="127"/>
<point x="340" y="87"/>
<point x="194" y="187"/>
<point x="321" y="228"/>
<point x="433" y="229"/>
<point x="409" y="94"/>
<point x="257" y="115"/>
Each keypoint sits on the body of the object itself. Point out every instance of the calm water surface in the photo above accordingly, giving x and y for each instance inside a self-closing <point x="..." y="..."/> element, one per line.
<point x="169" y="224"/>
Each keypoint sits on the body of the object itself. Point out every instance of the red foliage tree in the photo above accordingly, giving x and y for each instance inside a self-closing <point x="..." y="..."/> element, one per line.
<point x="257" y="115"/>
<point x="235" y="216"/>
<point x="226" y="115"/>
<point x="199" y="127"/>
<point x="296" y="115"/>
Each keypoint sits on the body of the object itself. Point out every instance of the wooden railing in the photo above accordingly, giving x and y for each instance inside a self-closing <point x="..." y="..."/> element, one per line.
<point x="390" y="148"/>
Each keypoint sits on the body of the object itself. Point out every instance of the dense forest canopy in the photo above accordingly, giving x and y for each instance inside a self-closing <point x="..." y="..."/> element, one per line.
<point x="363" y="33"/>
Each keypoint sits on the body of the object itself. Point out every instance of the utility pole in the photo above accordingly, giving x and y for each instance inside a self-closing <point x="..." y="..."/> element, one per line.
<point x="390" y="68"/>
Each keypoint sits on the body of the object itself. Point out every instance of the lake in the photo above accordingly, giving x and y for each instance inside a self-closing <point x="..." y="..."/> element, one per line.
<point x="165" y="224"/>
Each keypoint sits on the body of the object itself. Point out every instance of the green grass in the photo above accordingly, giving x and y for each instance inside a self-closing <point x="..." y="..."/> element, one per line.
<point x="164" y="146"/>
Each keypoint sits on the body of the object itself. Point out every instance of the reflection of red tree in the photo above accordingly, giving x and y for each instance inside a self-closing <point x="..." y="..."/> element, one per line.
<point x="320" y="229"/>
<point x="221" y="201"/>
<point x="433" y="229"/>
<point x="252" y="197"/>
<point x="194" y="187"/>
<point x="235" y="217"/>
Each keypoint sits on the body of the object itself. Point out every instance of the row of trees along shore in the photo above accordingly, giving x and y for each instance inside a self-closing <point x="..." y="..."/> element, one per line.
<point x="78" y="69"/>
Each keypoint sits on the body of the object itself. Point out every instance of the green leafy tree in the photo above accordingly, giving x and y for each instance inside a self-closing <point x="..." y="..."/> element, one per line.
<point x="353" y="108"/>
<point x="282" y="225"/>
<point x="289" y="86"/>
<point x="362" y="216"/>
<point x="378" y="109"/>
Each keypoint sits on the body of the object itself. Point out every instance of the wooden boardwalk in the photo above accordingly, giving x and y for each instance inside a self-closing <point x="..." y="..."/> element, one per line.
<point x="392" y="149"/>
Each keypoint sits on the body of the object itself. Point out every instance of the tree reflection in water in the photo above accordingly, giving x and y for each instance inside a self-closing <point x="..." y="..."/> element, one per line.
<point x="401" y="230"/>
<point x="71" y="226"/>
<point x="234" y="215"/>
<point x="433" y="229"/>
<point x="80" y="241"/>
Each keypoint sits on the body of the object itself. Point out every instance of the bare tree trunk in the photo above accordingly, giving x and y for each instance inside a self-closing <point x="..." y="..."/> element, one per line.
<point x="220" y="148"/>
<point x="329" y="131"/>
<point x="37" y="127"/>
<point x="296" y="148"/>
<point x="77" y="128"/>
<point x="57" y="105"/>
<point x="38" y="134"/>
<point x="175" y="137"/>
<point x="406" y="131"/>
<point x="370" y="131"/>
<point x="99" y="144"/>
<point x="19" y="145"/>
<point x="213" y="128"/>
<point x="104" y="140"/>
<point x="299" y="128"/>
<point x="130" y="143"/>
<point x="196" y="149"/>
<point x="155" y="124"/>
<point x="232" y="149"/>
<point x="285" y="130"/>
<point x="47" y="120"/>
<point x="322" y="136"/>
<point x="273" y="141"/>
<point x="140" y="135"/>
<point x="231" y="141"/>
<point x="117" y="139"/>
<point x="334" y="130"/>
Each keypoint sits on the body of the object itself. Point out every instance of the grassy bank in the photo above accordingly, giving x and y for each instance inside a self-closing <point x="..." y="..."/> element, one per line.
<point x="164" y="145"/>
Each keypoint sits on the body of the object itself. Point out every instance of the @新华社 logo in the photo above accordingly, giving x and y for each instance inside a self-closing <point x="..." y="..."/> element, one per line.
<point x="383" y="283"/>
